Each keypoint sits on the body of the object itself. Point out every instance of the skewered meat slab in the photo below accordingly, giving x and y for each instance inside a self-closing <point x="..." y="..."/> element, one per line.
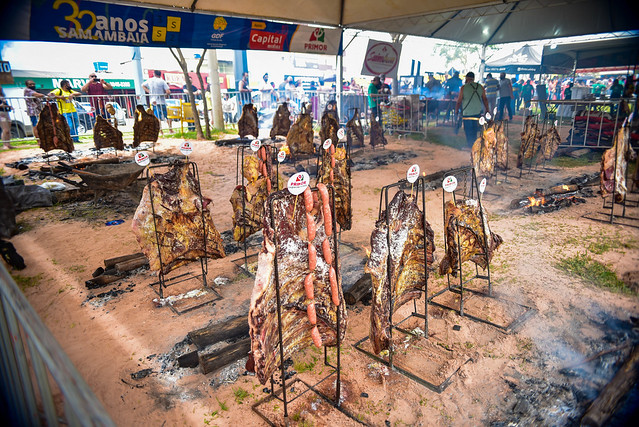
<point x="329" y="127"/>
<point x="281" y="121"/>
<point x="471" y="236"/>
<point x="612" y="179"/>
<point x="310" y="294"/>
<point x="105" y="135"/>
<point x="549" y="142"/>
<point x="407" y="275"/>
<point x="502" y="146"/>
<point x="483" y="152"/>
<point x="377" y="133"/>
<point x="247" y="124"/>
<point x="354" y="131"/>
<point x="146" y="126"/>
<point x="178" y="215"/>
<point x="336" y="171"/>
<point x="529" y="141"/>
<point x="54" y="130"/>
<point x="300" y="137"/>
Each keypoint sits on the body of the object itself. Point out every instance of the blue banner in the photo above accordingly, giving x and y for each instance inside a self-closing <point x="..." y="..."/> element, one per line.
<point x="79" y="21"/>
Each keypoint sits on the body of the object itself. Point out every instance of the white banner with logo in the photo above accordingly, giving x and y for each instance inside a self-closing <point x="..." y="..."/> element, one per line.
<point x="381" y="58"/>
<point x="316" y="40"/>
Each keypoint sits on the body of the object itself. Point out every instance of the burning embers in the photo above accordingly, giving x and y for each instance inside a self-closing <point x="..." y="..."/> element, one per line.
<point x="555" y="198"/>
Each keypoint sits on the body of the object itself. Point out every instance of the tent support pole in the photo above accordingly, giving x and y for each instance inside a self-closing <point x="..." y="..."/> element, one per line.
<point x="482" y="65"/>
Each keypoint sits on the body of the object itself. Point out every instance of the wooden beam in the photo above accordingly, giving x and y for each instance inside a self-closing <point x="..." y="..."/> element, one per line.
<point x="234" y="328"/>
<point x="225" y="356"/>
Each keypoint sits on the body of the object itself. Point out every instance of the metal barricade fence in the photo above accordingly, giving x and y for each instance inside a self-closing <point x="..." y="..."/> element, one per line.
<point x="581" y="122"/>
<point x="30" y="358"/>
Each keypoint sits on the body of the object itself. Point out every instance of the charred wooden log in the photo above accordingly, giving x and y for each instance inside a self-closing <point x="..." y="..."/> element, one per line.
<point x="225" y="356"/>
<point x="234" y="328"/>
<point x="111" y="262"/>
<point x="359" y="290"/>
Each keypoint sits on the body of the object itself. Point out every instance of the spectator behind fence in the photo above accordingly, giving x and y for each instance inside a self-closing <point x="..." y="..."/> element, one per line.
<point x="516" y="94"/>
<point x="471" y="100"/>
<point x="158" y="89"/>
<point x="266" y="90"/>
<point x="542" y="97"/>
<point x="527" y="92"/>
<point x="33" y="99"/>
<point x="229" y="108"/>
<point x="616" y="89"/>
<point x="64" y="96"/>
<point x="97" y="90"/>
<point x="492" y="88"/>
<point x="243" y="88"/>
<point x="453" y="85"/>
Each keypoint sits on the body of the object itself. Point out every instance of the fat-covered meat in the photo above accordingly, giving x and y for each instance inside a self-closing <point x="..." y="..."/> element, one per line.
<point x="529" y="141"/>
<point x="300" y="137"/>
<point x="502" y="146"/>
<point x="549" y="142"/>
<point x="483" y="152"/>
<point x="407" y="267"/>
<point x="335" y="170"/>
<point x="54" y="130"/>
<point x="611" y="178"/>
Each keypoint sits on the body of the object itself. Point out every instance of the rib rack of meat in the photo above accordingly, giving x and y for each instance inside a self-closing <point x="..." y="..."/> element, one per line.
<point x="549" y="142"/>
<point x="173" y="223"/>
<point x="300" y="137"/>
<point x="483" y="151"/>
<point x="248" y="198"/>
<point x="354" y="131"/>
<point x="377" y="133"/>
<point x="329" y="127"/>
<point x="502" y="145"/>
<point x="297" y="280"/>
<point x="247" y="124"/>
<point x="529" y="141"/>
<point x="335" y="170"/>
<point x="281" y="121"/>
<point x="105" y="135"/>
<point x="399" y="274"/>
<point x="613" y="166"/>
<point x="146" y="126"/>
<point x="467" y="220"/>
<point x="54" y="130"/>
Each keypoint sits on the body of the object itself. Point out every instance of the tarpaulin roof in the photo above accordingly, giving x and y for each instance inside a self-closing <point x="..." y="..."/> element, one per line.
<point x="608" y="53"/>
<point x="471" y="21"/>
<point x="526" y="59"/>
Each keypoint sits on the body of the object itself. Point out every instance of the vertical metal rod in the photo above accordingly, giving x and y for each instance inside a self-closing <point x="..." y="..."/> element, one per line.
<point x="10" y="366"/>
<point x="338" y="308"/>
<point x="157" y="235"/>
<point x="445" y="236"/>
<point x="614" y="182"/>
<point x="43" y="385"/>
<point x="389" y="260"/>
<point x="424" y="225"/>
<point x="484" y="221"/>
<point x="279" y="312"/>
<point x="204" y="265"/>
<point x="23" y="372"/>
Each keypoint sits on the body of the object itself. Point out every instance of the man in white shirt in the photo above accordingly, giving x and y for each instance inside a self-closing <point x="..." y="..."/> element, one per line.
<point x="158" y="89"/>
<point x="266" y="92"/>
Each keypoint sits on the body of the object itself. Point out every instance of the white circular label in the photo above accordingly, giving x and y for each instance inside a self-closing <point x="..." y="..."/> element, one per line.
<point x="482" y="121"/>
<point x="186" y="148"/>
<point x="142" y="158"/>
<point x="298" y="183"/>
<point x="488" y="116"/>
<point x="281" y="156"/>
<point x="556" y="122"/>
<point x="494" y="112"/>
<point x="362" y="114"/>
<point x="449" y="184"/>
<point x="292" y="118"/>
<point x="329" y="107"/>
<point x="412" y="174"/>
<point x="482" y="186"/>
<point x="341" y="133"/>
<point x="327" y="144"/>
<point x="255" y="144"/>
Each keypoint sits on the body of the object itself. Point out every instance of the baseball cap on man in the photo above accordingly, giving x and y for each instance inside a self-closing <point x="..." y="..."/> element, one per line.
<point x="470" y="74"/>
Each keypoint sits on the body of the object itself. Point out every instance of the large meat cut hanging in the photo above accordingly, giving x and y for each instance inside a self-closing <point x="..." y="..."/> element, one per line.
<point x="329" y="127"/>
<point x="407" y="273"/>
<point x="179" y="215"/>
<point x="466" y="217"/>
<point x="377" y="133"/>
<point x="502" y="146"/>
<point x="248" y="200"/>
<point x="615" y="179"/>
<point x="105" y="135"/>
<point x="335" y="170"/>
<point x="281" y="121"/>
<point x="146" y="126"/>
<point x="300" y="137"/>
<point x="310" y="294"/>
<point x="247" y="124"/>
<point x="549" y="142"/>
<point x="53" y="130"/>
<point x="354" y="131"/>
<point x="529" y="141"/>
<point x="483" y="152"/>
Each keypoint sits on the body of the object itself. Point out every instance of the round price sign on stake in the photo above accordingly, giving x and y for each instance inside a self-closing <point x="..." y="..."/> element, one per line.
<point x="329" y="107"/>
<point x="482" y="121"/>
<point x="412" y="174"/>
<point x="556" y="121"/>
<point x="298" y="183"/>
<point x="362" y="114"/>
<point x="488" y="116"/>
<point x="449" y="184"/>
<point x="327" y="144"/>
<point x="281" y="156"/>
<point x="482" y="186"/>
<point x="341" y="133"/>
<point x="186" y="148"/>
<point x="495" y="111"/>
<point x="142" y="158"/>
<point x="255" y="144"/>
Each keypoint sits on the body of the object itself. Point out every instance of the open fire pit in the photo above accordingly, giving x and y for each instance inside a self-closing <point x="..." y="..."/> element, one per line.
<point x="552" y="199"/>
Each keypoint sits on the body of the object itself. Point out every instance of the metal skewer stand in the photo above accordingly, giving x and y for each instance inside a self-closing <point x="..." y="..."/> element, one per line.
<point x="320" y="156"/>
<point x="163" y="282"/>
<point x="240" y="180"/>
<point x="464" y="175"/>
<point x="335" y="402"/>
<point x="407" y="371"/>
